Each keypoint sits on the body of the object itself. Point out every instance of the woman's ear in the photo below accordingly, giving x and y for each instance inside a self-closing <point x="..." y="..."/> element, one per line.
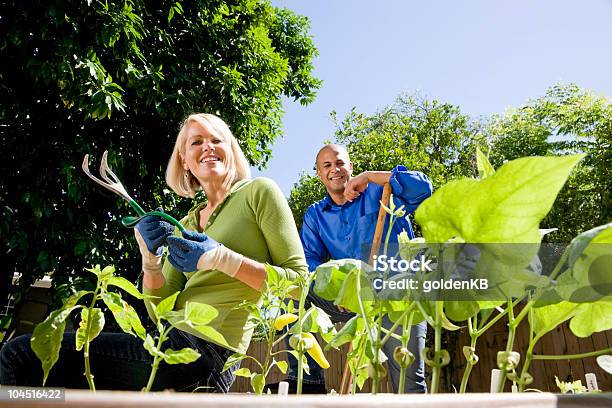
<point x="183" y="162"/>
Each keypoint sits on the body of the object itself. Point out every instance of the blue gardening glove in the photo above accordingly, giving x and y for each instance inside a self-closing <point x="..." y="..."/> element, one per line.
<point x="154" y="231"/>
<point x="196" y="251"/>
<point x="466" y="261"/>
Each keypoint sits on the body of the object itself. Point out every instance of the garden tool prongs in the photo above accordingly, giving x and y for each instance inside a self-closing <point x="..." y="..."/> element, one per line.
<point x="111" y="183"/>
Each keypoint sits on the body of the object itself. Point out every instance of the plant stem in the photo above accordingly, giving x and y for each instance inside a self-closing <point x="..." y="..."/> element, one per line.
<point x="406" y="325"/>
<point x="509" y="344"/>
<point x="468" y="368"/>
<point x="302" y="303"/>
<point x="88" y="374"/>
<point x="267" y="363"/>
<point x="280" y="338"/>
<point x="436" y="370"/>
<point x="490" y="323"/>
<point x="571" y="356"/>
<point x="391" y="331"/>
<point x="157" y="359"/>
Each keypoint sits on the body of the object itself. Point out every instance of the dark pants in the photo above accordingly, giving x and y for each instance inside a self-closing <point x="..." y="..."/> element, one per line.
<point x="118" y="361"/>
<point x="415" y="373"/>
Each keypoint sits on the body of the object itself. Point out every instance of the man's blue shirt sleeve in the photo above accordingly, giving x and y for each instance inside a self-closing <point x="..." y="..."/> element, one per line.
<point x="411" y="187"/>
<point x="315" y="251"/>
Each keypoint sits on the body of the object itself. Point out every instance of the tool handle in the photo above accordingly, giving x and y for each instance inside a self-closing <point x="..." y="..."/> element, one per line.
<point x="130" y="222"/>
<point x="380" y="222"/>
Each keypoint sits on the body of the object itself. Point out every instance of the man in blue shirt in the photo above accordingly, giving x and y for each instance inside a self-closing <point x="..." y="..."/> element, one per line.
<point x="337" y="226"/>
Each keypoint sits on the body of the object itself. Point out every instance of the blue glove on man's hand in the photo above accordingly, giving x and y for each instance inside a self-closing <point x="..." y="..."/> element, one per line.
<point x="154" y="231"/>
<point x="197" y="251"/>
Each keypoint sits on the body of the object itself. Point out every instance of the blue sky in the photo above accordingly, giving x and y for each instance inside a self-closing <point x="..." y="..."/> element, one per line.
<point x="481" y="55"/>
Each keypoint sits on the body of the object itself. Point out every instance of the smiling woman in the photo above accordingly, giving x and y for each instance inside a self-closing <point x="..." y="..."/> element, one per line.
<point x="220" y="260"/>
<point x="204" y="138"/>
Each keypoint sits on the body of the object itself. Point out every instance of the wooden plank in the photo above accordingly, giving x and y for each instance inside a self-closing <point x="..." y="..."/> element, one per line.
<point x="106" y="399"/>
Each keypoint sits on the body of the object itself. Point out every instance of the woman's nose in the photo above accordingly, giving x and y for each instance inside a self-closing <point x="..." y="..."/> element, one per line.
<point x="208" y="146"/>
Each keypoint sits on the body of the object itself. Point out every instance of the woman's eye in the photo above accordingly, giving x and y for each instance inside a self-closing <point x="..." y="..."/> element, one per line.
<point x="196" y="142"/>
<point x="216" y="141"/>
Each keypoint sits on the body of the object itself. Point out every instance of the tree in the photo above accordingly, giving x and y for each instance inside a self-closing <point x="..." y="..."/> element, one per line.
<point x="567" y="119"/>
<point x="81" y="77"/>
<point x="424" y="135"/>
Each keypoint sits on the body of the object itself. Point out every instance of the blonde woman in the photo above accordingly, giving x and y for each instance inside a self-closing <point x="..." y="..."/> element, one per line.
<point x="242" y="225"/>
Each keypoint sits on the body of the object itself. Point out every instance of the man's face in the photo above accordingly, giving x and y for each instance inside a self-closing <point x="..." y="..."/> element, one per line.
<point x="334" y="168"/>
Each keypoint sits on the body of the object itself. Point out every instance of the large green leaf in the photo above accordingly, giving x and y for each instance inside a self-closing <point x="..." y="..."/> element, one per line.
<point x="331" y="275"/>
<point x="349" y="294"/>
<point x="95" y="320"/>
<point x="165" y="306"/>
<point x="347" y="333"/>
<point x="243" y="372"/>
<point x="151" y="347"/>
<point x="212" y="334"/>
<point x="47" y="338"/>
<point x="183" y="356"/>
<point x="318" y="321"/>
<point x="74" y="298"/>
<point x="258" y="382"/>
<point x="124" y="314"/>
<point x="233" y="359"/>
<point x="506" y="207"/>
<point x="125" y="285"/>
<point x="199" y="313"/>
<point x="548" y="317"/>
<point x="460" y="310"/>
<point x="588" y="276"/>
<point x="282" y="366"/>
<point x="592" y="318"/>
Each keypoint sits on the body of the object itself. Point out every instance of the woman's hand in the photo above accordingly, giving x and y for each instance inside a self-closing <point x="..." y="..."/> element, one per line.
<point x="196" y="251"/>
<point x="153" y="231"/>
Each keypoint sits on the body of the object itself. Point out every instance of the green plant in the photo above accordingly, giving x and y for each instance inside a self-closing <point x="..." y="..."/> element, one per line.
<point x="195" y="315"/>
<point x="265" y="316"/>
<point x="47" y="337"/>
<point x="276" y="313"/>
<point x="503" y="207"/>
<point x="574" y="387"/>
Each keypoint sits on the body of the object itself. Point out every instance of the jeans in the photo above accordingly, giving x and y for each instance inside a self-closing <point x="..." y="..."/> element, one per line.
<point x="415" y="373"/>
<point x="118" y="361"/>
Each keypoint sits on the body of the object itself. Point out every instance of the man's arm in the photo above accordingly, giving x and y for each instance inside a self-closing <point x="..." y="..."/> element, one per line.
<point x="412" y="187"/>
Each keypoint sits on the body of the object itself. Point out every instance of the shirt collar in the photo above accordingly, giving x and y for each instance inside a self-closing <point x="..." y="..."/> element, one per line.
<point x="328" y="203"/>
<point x="195" y="210"/>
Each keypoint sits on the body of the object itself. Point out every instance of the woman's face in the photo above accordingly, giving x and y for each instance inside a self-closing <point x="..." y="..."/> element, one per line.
<point x="205" y="153"/>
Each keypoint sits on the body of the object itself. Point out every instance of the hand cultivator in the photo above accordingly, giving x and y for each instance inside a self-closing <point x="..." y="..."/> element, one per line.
<point x="111" y="182"/>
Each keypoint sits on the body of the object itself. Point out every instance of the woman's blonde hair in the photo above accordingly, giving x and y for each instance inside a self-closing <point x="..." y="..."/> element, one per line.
<point x="183" y="182"/>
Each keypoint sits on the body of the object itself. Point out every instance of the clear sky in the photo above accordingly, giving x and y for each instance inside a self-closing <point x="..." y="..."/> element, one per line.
<point x="482" y="55"/>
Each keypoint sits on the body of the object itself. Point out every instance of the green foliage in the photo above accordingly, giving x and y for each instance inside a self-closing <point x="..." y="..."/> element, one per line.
<point x="275" y="313"/>
<point x="566" y="119"/>
<point x="530" y="184"/>
<point x="47" y="339"/>
<point x="48" y="335"/>
<point x="424" y="135"/>
<point x="85" y="76"/>
<point x="505" y="206"/>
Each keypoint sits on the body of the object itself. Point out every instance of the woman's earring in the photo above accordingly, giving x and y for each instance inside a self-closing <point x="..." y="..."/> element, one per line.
<point x="187" y="176"/>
